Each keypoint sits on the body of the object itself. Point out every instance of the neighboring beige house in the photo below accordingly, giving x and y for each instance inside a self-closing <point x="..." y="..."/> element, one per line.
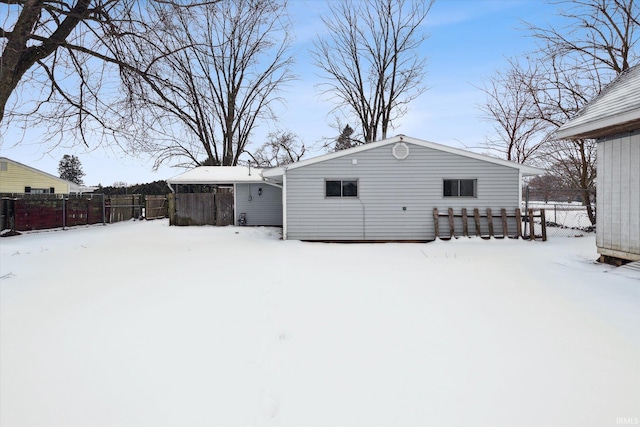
<point x="18" y="178"/>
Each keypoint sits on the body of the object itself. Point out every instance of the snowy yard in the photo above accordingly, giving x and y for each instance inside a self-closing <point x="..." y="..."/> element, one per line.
<point x="142" y="324"/>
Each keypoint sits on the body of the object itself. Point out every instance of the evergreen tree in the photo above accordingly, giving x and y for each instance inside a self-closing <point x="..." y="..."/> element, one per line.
<point x="70" y="169"/>
<point x="345" y="141"/>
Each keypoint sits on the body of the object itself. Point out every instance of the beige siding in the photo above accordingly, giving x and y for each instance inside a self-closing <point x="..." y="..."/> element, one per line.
<point x="395" y="197"/>
<point x="618" y="198"/>
<point x="17" y="177"/>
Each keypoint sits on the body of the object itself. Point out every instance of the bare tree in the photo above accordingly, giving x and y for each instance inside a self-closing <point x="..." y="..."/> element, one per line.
<point x="61" y="64"/>
<point x="558" y="94"/>
<point x="571" y="67"/>
<point x="58" y="64"/>
<point x="369" y="59"/>
<point x="599" y="44"/>
<point x="600" y="34"/>
<point x="519" y="131"/>
<point x="224" y="66"/>
<point x="281" y="148"/>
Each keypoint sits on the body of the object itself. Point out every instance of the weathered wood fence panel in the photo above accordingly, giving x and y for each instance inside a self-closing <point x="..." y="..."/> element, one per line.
<point x="510" y="225"/>
<point x="194" y="209"/>
<point x="155" y="207"/>
<point x="123" y="207"/>
<point x="201" y="208"/>
<point x="224" y="208"/>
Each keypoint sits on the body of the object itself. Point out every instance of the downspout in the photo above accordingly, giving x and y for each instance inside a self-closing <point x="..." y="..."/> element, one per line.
<point x="170" y="187"/>
<point x="364" y="229"/>
<point x="284" y="204"/>
<point x="235" y="203"/>
<point x="519" y="188"/>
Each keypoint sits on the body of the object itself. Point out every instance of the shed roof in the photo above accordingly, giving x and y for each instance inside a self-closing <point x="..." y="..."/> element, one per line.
<point x="615" y="110"/>
<point x="218" y="175"/>
<point x="526" y="170"/>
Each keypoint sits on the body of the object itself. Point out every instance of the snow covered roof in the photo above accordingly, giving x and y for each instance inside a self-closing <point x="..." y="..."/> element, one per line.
<point x="218" y="175"/>
<point x="615" y="110"/>
<point x="526" y="170"/>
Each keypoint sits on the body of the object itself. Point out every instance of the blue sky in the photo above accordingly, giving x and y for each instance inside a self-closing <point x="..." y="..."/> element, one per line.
<point x="469" y="40"/>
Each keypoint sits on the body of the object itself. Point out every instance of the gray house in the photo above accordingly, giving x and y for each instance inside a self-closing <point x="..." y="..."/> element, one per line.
<point x="387" y="190"/>
<point x="613" y="119"/>
<point x="225" y="195"/>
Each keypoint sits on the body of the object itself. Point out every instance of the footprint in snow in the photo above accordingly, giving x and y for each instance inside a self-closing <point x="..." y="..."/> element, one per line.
<point x="283" y="336"/>
<point x="271" y="405"/>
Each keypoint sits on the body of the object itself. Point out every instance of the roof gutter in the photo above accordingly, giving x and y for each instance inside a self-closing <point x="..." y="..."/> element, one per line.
<point x="269" y="181"/>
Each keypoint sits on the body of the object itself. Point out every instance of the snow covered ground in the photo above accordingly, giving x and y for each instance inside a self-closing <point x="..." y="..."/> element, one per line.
<point x="142" y="324"/>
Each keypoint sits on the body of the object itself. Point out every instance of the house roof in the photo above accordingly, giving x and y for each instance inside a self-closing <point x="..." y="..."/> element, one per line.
<point x="72" y="186"/>
<point x="526" y="170"/>
<point x="615" y="110"/>
<point x="5" y="159"/>
<point x="218" y="175"/>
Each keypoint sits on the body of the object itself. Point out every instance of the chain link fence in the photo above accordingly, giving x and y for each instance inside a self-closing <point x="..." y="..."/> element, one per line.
<point x="565" y="213"/>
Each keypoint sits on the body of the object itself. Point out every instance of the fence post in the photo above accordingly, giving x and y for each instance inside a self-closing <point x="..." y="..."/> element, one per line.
<point x="505" y="227"/>
<point x="490" y="220"/>
<point x="452" y="230"/>
<point x="532" y="228"/>
<point x="543" y="221"/>
<point x="465" y="226"/>
<point x="104" y="211"/>
<point x="476" y="217"/>
<point x="13" y="216"/>
<point x="518" y="224"/>
<point x="64" y="213"/>
<point x="435" y="222"/>
<point x="526" y="207"/>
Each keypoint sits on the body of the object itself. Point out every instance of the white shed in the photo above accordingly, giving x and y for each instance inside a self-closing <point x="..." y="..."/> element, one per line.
<point x="613" y="119"/>
<point x="248" y="199"/>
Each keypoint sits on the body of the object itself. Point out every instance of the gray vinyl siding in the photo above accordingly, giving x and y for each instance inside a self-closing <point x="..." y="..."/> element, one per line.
<point x="264" y="209"/>
<point x="618" y="197"/>
<point x="385" y="187"/>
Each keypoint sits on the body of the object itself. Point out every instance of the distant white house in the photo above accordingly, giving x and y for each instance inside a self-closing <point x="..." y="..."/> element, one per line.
<point x="613" y="119"/>
<point x="16" y="177"/>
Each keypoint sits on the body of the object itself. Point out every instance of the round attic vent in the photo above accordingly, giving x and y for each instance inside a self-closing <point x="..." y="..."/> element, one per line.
<point x="400" y="151"/>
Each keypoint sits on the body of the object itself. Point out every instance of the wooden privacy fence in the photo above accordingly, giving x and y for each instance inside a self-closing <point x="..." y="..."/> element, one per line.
<point x="487" y="225"/>
<point x="156" y="207"/>
<point x="23" y="212"/>
<point x="214" y="208"/>
<point x="40" y="212"/>
<point x="123" y="207"/>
